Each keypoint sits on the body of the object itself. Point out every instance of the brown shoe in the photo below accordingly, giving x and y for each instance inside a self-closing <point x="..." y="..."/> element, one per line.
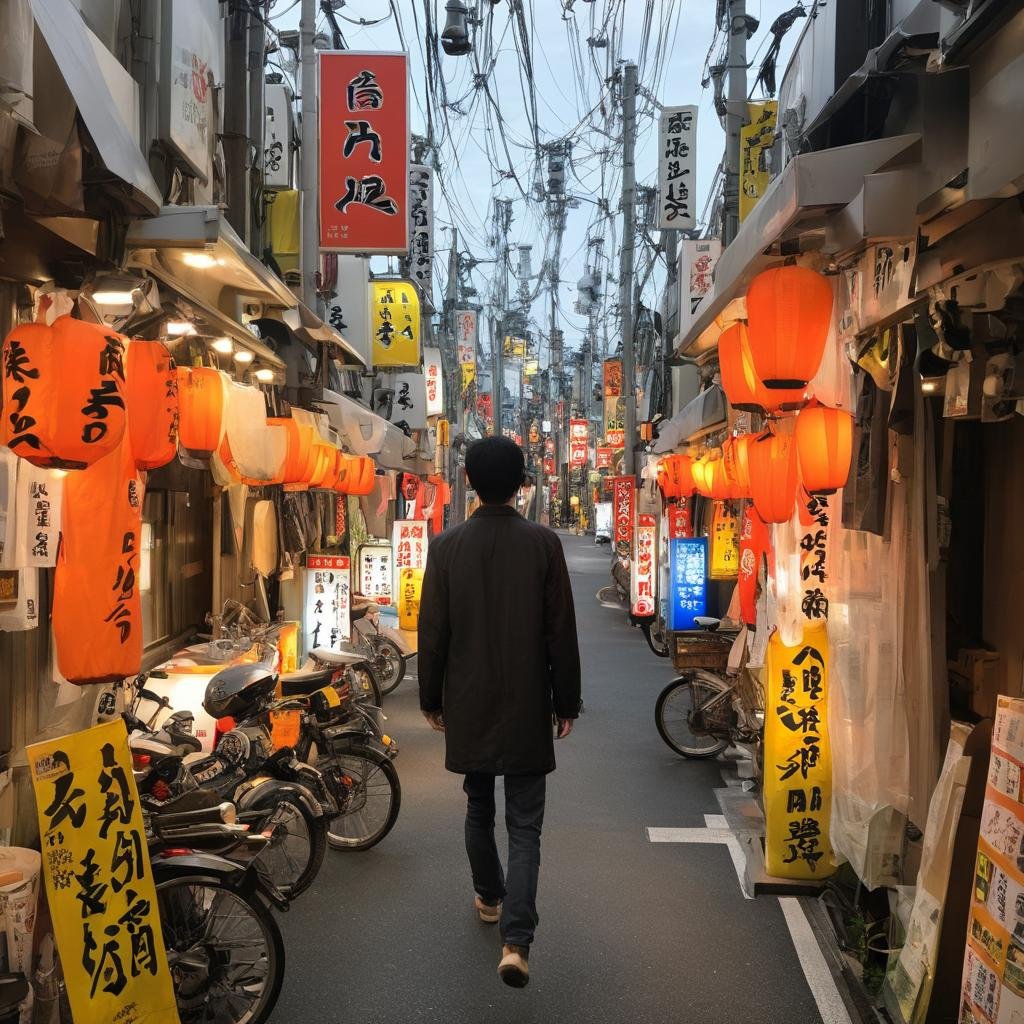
<point x="513" y="969"/>
<point x="490" y="913"/>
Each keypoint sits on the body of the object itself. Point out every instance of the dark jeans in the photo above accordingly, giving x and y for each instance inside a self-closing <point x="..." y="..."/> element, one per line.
<point x="524" y="816"/>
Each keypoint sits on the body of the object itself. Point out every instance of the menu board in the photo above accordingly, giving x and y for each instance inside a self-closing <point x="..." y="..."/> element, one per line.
<point x="326" y="622"/>
<point x="376" y="572"/>
<point x="992" y="989"/>
<point x="688" y="586"/>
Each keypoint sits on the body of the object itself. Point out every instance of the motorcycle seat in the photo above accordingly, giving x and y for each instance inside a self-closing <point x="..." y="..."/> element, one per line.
<point x="328" y="657"/>
<point x="708" y="622"/>
<point x="296" y="684"/>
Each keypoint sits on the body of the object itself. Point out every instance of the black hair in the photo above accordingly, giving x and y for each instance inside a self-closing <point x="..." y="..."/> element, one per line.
<point x="496" y="468"/>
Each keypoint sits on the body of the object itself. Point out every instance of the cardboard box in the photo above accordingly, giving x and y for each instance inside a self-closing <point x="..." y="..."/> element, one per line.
<point x="975" y="674"/>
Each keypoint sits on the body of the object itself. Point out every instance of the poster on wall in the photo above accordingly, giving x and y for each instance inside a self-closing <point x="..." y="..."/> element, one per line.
<point x="409" y="543"/>
<point x="623" y="501"/>
<point x="376" y="572"/>
<point x="326" y="621"/>
<point x="992" y="988"/>
<point x="797" y="757"/>
<point x="433" y="371"/>
<point x="364" y="152"/>
<point x="395" y="323"/>
<point x="756" y="140"/>
<point x="677" y="168"/>
<point x="643" y="567"/>
<point x="688" y="581"/>
<point x="99" y="880"/>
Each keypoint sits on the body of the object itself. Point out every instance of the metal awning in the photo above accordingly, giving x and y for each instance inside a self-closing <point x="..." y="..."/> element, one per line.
<point x="309" y="328"/>
<point x="802" y="197"/>
<point x="198" y="246"/>
<point x="365" y="433"/>
<point x="68" y="38"/>
<point x="703" y="415"/>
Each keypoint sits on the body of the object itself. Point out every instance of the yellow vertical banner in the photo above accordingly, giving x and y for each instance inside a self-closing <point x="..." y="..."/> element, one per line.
<point x="725" y="543"/>
<point x="797" y="757"/>
<point x="410" y="585"/>
<point x="395" y="322"/>
<point x="99" y="881"/>
<point x="755" y="141"/>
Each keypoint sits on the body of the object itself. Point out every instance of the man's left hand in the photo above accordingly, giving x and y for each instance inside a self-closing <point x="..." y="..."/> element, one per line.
<point x="435" y="719"/>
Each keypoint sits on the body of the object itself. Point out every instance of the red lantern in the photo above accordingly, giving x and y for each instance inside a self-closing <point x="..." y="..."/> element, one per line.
<point x="152" y="404"/>
<point x="675" y="477"/>
<point x="63" y="393"/>
<point x="773" y="476"/>
<point x="737" y="465"/>
<point x="789" y="310"/>
<point x="202" y="400"/>
<point x="719" y="485"/>
<point x="824" y="441"/>
<point x="740" y="382"/>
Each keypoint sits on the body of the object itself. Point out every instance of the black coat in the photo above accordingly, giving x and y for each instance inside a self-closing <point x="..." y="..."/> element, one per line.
<point x="497" y="642"/>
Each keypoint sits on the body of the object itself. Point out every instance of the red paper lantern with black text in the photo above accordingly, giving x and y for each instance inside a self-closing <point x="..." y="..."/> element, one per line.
<point x="675" y="477"/>
<point x="740" y="382"/>
<point x="789" y="311"/>
<point x="63" y="393"/>
<point x="202" y="401"/>
<point x="824" y="441"/>
<point x="152" y="403"/>
<point x="773" y="476"/>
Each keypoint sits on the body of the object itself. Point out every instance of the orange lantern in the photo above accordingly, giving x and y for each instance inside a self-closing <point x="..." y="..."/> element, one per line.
<point x="789" y="310"/>
<point x="202" y="400"/>
<point x="824" y="442"/>
<point x="359" y="476"/>
<point x="773" y="476"/>
<point x="699" y="472"/>
<point x="63" y="393"/>
<point x="718" y="483"/>
<point x="740" y="382"/>
<point x="300" y="463"/>
<point x="675" y="477"/>
<point x="325" y="473"/>
<point x="97" y="603"/>
<point x="152" y="403"/>
<point x="737" y="466"/>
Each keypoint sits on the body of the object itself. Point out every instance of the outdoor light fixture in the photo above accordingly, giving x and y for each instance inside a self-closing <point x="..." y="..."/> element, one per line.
<point x="243" y="357"/>
<point x="824" y="442"/>
<point x="199" y="260"/>
<point x="176" y="328"/>
<point x="455" y="37"/>
<point x="264" y="376"/>
<point x="222" y="345"/>
<point x="110" y="297"/>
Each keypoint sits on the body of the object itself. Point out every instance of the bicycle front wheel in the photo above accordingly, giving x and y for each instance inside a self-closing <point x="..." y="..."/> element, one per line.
<point x="224" y="950"/>
<point x="390" y="664"/>
<point x="674" y="716"/>
<point x="376" y="796"/>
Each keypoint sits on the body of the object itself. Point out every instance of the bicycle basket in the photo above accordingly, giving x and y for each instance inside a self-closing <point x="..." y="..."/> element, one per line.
<point x="701" y="650"/>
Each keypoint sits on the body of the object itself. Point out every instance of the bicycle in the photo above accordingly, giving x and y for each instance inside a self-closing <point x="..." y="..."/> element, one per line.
<point x="707" y="709"/>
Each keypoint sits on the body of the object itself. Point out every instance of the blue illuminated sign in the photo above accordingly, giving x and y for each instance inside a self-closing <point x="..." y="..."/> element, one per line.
<point x="688" y="586"/>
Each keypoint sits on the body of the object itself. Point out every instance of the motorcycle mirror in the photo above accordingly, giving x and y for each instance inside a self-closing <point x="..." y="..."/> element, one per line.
<point x="150" y="695"/>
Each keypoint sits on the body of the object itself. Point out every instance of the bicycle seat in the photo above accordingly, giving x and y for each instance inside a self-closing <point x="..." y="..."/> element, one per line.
<point x="302" y="683"/>
<point x="708" y="622"/>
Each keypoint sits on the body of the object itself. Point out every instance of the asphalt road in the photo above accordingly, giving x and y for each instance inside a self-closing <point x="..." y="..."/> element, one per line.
<point x="630" y="932"/>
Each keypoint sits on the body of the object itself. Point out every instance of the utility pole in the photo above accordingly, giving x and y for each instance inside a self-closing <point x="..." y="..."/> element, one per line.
<point x="626" y="263"/>
<point x="670" y="243"/>
<point x="502" y="223"/>
<point x="735" y="113"/>
<point x="236" y="122"/>
<point x="309" y="256"/>
<point x="458" y="479"/>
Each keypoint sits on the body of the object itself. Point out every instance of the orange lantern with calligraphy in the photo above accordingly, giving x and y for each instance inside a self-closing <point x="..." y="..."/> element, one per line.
<point x="152" y="403"/>
<point x="359" y="476"/>
<point x="675" y="477"/>
<point x="300" y="463"/>
<point x="824" y="443"/>
<point x="735" y="452"/>
<point x="97" y="603"/>
<point x="202" y="401"/>
<point x="789" y="311"/>
<point x="740" y="382"/>
<point x="773" y="476"/>
<point x="63" y="393"/>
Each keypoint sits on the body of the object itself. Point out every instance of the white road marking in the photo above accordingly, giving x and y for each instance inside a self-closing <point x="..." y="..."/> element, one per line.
<point x="725" y="836"/>
<point x="812" y="961"/>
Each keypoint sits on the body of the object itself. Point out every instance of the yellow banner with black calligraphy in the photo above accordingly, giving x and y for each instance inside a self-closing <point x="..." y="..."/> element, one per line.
<point x="99" y="881"/>
<point x="395" y="322"/>
<point x="725" y="542"/>
<point x="797" y="757"/>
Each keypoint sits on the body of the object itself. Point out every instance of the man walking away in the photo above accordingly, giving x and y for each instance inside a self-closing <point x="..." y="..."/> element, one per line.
<point x="498" y="659"/>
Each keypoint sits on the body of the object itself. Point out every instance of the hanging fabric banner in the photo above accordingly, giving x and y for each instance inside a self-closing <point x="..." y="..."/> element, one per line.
<point x="624" y="498"/>
<point x="433" y="371"/>
<point x="99" y="880"/>
<point x="680" y="519"/>
<point x="797" y="757"/>
<point x="677" y="168"/>
<point x="643" y="567"/>
<point x="579" y="432"/>
<point x="814" y="520"/>
<point x="725" y="546"/>
<point x="328" y="600"/>
<point x="421" y="227"/>
<point x="755" y="544"/>
<point x="376" y="572"/>
<point x="410" y="586"/>
<point x="395" y="323"/>
<point x="37" y="505"/>
<point x="465" y="345"/>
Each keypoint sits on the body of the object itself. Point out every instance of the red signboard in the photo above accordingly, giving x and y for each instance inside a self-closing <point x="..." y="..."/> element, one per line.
<point x="549" y="446"/>
<point x="622" y="508"/>
<point x="643" y="567"/>
<point x="328" y="562"/>
<point x="616" y="438"/>
<point x="549" y="465"/>
<point x="679" y="520"/>
<point x="605" y="456"/>
<point x="612" y="378"/>
<point x="579" y="431"/>
<point x="364" y="152"/>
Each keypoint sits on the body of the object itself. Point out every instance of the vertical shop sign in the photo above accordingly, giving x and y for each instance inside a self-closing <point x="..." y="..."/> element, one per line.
<point x="465" y="344"/>
<point x="421" y="228"/>
<point x="725" y="543"/>
<point x="410" y="587"/>
<point x="434" y="373"/>
<point x="993" y="979"/>
<point x="605" y="458"/>
<point x="614" y="405"/>
<point x="99" y="881"/>
<point x="755" y="543"/>
<point x="624" y="498"/>
<point x="579" y="431"/>
<point x="680" y="519"/>
<point x="612" y="378"/>
<point x="814" y="518"/>
<point x="409" y="543"/>
<point x="364" y="152"/>
<point x="376" y="572"/>
<point x="409" y="405"/>
<point x="688" y="581"/>
<point x="677" y="167"/>
<point x="328" y="601"/>
<point x="643" y="568"/>
<point x="797" y="757"/>
<point x="37" y="508"/>
<point x="755" y="141"/>
<point x="696" y="278"/>
<point x="395" y="323"/>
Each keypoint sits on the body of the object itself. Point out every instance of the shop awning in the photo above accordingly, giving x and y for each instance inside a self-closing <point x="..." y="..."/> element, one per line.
<point x="198" y="246"/>
<point x="703" y="415"/>
<point x="365" y="433"/>
<point x="812" y="187"/>
<point x="309" y="328"/>
<point x="70" y="42"/>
